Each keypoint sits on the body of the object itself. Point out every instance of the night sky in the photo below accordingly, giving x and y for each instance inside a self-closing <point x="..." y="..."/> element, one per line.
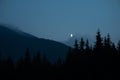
<point x="57" y="19"/>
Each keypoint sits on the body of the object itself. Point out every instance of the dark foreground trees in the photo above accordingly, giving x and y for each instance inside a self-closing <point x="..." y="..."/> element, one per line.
<point x="83" y="62"/>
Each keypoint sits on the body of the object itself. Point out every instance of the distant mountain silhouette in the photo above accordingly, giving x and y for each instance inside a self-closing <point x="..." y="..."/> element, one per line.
<point x="13" y="43"/>
<point x="101" y="61"/>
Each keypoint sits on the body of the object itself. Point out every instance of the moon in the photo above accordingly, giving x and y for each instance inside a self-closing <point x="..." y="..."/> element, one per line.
<point x="71" y="35"/>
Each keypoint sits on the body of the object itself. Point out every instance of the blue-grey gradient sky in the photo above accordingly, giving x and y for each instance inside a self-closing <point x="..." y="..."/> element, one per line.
<point x="56" y="19"/>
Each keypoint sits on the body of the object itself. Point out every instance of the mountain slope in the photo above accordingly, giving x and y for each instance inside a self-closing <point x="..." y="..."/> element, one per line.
<point x="14" y="43"/>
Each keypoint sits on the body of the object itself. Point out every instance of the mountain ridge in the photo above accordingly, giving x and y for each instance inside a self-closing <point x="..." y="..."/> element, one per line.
<point x="14" y="44"/>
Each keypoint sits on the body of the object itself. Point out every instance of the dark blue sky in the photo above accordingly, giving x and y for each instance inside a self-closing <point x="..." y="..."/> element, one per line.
<point x="56" y="19"/>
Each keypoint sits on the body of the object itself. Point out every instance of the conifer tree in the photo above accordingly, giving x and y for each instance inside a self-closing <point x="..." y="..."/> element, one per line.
<point x="98" y="48"/>
<point x="87" y="45"/>
<point x="76" y="44"/>
<point x="118" y="47"/>
<point x="27" y="58"/>
<point x="98" y="43"/>
<point x="82" y="43"/>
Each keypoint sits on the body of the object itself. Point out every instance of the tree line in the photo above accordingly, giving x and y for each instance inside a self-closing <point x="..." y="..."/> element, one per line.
<point x="100" y="61"/>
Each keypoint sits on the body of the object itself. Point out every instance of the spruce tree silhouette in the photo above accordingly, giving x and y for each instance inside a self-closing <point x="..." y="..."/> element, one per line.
<point x="76" y="44"/>
<point x="98" y="51"/>
<point x="118" y="48"/>
<point x="27" y="58"/>
<point x="45" y="61"/>
<point x="69" y="57"/>
<point x="82" y="44"/>
<point x="37" y="60"/>
<point x="75" y="54"/>
<point x="8" y="67"/>
<point x="46" y="65"/>
<point x="37" y="66"/>
<point x="59" y="73"/>
<point x="98" y="44"/>
<point x="82" y="63"/>
<point x="27" y="64"/>
<point x="87" y="47"/>
<point x="20" y="67"/>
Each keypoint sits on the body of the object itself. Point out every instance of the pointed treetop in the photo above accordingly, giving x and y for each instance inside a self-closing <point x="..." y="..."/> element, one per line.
<point x="82" y="44"/>
<point x="87" y="44"/>
<point x="76" y="44"/>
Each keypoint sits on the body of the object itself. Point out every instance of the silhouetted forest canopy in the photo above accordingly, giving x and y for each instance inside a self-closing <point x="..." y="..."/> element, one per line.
<point x="100" y="61"/>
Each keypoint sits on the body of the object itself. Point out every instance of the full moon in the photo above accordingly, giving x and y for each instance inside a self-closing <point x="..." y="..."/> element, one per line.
<point x="71" y="35"/>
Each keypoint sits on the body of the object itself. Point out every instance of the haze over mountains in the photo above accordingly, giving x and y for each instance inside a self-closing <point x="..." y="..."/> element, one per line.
<point x="13" y="43"/>
<point x="70" y="41"/>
